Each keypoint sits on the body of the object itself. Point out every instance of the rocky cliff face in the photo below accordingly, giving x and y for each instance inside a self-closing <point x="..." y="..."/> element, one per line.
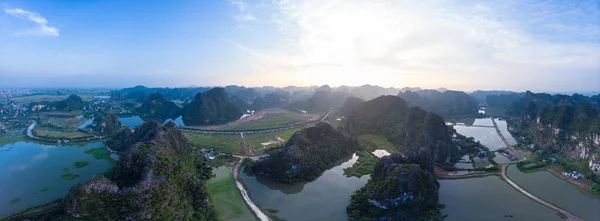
<point x="569" y="125"/>
<point x="306" y="155"/>
<point x="160" y="177"/>
<point x="408" y="129"/>
<point x="107" y="124"/>
<point x="157" y="106"/>
<point x="210" y="107"/>
<point x="399" y="189"/>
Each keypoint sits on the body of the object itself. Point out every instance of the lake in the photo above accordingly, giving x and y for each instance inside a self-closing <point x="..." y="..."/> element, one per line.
<point x="558" y="192"/>
<point x="325" y="198"/>
<point x="489" y="198"/>
<point x="28" y="168"/>
<point x="134" y="121"/>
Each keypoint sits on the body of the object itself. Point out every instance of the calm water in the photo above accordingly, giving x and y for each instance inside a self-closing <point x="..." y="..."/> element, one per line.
<point x="132" y="121"/>
<point x="503" y="126"/>
<point x="86" y="123"/>
<point x="326" y="198"/>
<point x="489" y="198"/>
<point x="483" y="122"/>
<point x="178" y="121"/>
<point x="501" y="159"/>
<point x="558" y="192"/>
<point x="486" y="135"/>
<point x="27" y="168"/>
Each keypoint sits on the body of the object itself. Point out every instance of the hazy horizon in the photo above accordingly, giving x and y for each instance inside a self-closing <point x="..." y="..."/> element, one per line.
<point x="545" y="46"/>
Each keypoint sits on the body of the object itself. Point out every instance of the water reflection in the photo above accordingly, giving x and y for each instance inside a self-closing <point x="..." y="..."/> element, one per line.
<point x="558" y="192"/>
<point x="326" y="197"/>
<point x="33" y="172"/>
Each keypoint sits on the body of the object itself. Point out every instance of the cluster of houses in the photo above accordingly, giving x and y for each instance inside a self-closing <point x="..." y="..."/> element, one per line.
<point x="575" y="175"/>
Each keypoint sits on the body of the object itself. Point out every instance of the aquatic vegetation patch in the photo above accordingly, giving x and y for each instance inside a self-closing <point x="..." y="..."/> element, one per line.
<point x="14" y="200"/>
<point x="101" y="153"/>
<point x="80" y="164"/>
<point x="44" y="190"/>
<point x="69" y="176"/>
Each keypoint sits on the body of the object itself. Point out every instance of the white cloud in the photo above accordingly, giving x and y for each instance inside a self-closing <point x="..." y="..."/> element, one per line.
<point x="427" y="43"/>
<point x="41" y="22"/>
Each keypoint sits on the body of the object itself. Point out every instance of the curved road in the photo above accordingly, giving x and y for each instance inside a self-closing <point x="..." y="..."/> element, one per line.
<point x="568" y="215"/>
<point x="30" y="130"/>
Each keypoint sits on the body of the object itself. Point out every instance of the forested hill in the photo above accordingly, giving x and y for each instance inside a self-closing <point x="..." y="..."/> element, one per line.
<point x="399" y="189"/>
<point x="408" y="129"/>
<point x="158" y="107"/>
<point x="559" y="123"/>
<point x="306" y="155"/>
<point x="158" y="177"/>
<point x="447" y="103"/>
<point x="71" y="103"/>
<point x="210" y="107"/>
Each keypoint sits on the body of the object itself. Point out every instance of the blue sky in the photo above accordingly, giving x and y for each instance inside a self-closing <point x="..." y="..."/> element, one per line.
<point x="465" y="45"/>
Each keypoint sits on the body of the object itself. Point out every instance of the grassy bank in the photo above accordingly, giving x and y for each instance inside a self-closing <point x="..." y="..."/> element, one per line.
<point x="226" y="198"/>
<point x="8" y="139"/>
<point x="366" y="160"/>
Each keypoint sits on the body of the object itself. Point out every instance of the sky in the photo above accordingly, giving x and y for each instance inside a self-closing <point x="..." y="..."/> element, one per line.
<point x="538" y="45"/>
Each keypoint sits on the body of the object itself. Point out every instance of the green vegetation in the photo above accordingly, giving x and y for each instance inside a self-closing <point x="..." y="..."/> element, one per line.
<point x="226" y="198"/>
<point x="231" y="143"/>
<point x="366" y="159"/>
<point x="222" y="142"/>
<point x="306" y="155"/>
<point x="595" y="189"/>
<point x="44" y="190"/>
<point x="69" y="176"/>
<point x="364" y="165"/>
<point x="80" y="164"/>
<point x="46" y="98"/>
<point x="372" y="142"/>
<point x="210" y="107"/>
<point x="9" y="139"/>
<point x="255" y="140"/>
<point x="174" y="191"/>
<point x="107" y="124"/>
<point x="14" y="200"/>
<point x="101" y="153"/>
<point x="447" y="103"/>
<point x="399" y="189"/>
<point x="408" y="129"/>
<point x="272" y="120"/>
<point x="157" y="106"/>
<point x="57" y="133"/>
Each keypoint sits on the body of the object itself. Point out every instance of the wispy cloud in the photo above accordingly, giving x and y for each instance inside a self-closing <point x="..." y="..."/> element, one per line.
<point x="42" y="29"/>
<point x="431" y="43"/>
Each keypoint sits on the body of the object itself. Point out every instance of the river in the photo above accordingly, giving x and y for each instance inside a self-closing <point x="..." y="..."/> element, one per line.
<point x="325" y="198"/>
<point x="32" y="172"/>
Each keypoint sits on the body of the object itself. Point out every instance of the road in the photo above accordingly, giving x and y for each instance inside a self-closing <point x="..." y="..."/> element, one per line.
<point x="257" y="211"/>
<point x="505" y="140"/>
<point x="30" y="130"/>
<point x="259" y="131"/>
<point x="568" y="215"/>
